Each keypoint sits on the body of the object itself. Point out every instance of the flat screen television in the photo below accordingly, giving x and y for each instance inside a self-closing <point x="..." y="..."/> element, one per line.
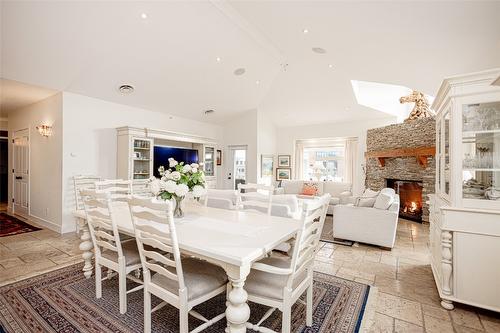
<point x="162" y="154"/>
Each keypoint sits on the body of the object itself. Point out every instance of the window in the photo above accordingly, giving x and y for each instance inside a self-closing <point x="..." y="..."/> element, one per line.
<point x="324" y="163"/>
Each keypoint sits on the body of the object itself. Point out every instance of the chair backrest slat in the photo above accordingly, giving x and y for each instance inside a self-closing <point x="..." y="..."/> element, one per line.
<point x="161" y="270"/>
<point x="155" y="256"/>
<point x="106" y="245"/>
<point x="250" y="197"/>
<point x="153" y="242"/>
<point x="118" y="189"/>
<point x="105" y="235"/>
<point x="149" y="216"/>
<point x="141" y="187"/>
<point x="154" y="227"/>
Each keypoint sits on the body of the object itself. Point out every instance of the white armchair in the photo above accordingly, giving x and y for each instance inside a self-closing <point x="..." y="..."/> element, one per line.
<point x="367" y="224"/>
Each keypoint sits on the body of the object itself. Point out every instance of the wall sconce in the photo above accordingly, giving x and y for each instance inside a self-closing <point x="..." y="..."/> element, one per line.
<point x="44" y="130"/>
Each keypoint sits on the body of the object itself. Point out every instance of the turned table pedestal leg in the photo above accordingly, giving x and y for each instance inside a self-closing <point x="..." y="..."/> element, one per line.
<point x="237" y="311"/>
<point x="87" y="247"/>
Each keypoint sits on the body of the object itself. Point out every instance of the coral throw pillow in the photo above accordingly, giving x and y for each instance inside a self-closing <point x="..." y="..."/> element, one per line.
<point x="309" y="189"/>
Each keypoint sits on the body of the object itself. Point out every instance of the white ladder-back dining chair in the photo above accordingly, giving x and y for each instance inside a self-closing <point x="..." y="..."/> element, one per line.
<point x="255" y="197"/>
<point x="110" y="252"/>
<point x="223" y="199"/>
<point x="180" y="282"/>
<point x="83" y="182"/>
<point x="278" y="282"/>
<point x="119" y="189"/>
<point x="141" y="187"/>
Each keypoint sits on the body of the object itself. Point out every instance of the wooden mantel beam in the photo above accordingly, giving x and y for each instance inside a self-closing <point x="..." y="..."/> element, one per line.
<point x="420" y="153"/>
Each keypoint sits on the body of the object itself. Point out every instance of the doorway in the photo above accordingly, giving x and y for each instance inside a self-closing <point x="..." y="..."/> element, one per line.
<point x="20" y="172"/>
<point x="4" y="175"/>
<point x="237" y="173"/>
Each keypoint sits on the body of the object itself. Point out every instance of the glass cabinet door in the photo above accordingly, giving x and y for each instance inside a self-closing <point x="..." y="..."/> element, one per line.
<point x="446" y="152"/>
<point x="439" y="152"/>
<point x="209" y="161"/>
<point x="481" y="151"/>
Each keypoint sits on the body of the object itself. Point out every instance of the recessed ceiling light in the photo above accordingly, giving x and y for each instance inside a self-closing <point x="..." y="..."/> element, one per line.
<point x="209" y="112"/>
<point x="126" y="89"/>
<point x="330" y="66"/>
<point x="239" y="71"/>
<point x="218" y="59"/>
<point x="305" y="31"/>
<point x="319" y="50"/>
<point x="257" y="82"/>
<point x="144" y="15"/>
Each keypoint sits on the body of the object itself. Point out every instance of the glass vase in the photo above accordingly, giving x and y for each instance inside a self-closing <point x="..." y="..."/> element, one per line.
<point x="178" y="212"/>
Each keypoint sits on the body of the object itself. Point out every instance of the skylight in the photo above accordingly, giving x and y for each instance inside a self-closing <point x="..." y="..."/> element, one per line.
<point x="384" y="97"/>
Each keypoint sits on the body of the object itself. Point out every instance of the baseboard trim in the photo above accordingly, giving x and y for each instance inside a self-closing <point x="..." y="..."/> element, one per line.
<point x="45" y="223"/>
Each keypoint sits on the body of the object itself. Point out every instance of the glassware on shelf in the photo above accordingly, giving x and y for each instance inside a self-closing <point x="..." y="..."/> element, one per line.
<point x="481" y="117"/>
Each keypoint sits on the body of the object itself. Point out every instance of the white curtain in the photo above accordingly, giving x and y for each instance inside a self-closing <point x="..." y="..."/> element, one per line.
<point x="351" y="153"/>
<point x="299" y="160"/>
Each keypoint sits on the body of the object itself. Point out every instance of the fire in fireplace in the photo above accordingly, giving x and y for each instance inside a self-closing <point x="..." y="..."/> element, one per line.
<point x="410" y="197"/>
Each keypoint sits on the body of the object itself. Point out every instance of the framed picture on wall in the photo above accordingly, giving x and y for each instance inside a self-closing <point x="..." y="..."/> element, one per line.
<point x="266" y="165"/>
<point x="219" y="157"/>
<point x="284" y="161"/>
<point x="283" y="174"/>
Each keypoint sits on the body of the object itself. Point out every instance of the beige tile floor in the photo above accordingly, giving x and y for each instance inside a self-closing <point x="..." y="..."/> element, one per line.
<point x="33" y="253"/>
<point x="407" y="299"/>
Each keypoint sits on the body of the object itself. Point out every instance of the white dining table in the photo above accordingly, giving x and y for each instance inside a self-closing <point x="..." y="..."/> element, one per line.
<point x="228" y="238"/>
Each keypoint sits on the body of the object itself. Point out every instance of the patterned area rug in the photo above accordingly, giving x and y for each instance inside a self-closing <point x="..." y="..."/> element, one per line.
<point x="10" y="225"/>
<point x="63" y="301"/>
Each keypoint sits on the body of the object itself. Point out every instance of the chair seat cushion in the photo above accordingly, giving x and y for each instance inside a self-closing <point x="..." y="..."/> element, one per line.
<point x="200" y="278"/>
<point x="270" y="285"/>
<point x="130" y="252"/>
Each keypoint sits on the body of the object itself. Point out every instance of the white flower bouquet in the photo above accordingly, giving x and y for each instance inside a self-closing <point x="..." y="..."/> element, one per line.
<point x="177" y="181"/>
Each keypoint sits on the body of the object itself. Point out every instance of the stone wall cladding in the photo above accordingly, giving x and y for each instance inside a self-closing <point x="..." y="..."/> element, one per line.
<point x="412" y="134"/>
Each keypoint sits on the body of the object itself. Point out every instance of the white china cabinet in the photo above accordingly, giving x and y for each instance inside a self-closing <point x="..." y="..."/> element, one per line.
<point x="465" y="210"/>
<point x="135" y="154"/>
<point x="209" y="160"/>
<point x="135" y="151"/>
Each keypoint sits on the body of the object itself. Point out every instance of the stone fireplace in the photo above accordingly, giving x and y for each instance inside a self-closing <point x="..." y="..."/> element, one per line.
<point x="401" y="156"/>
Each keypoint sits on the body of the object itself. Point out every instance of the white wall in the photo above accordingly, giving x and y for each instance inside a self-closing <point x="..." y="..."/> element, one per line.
<point x="89" y="134"/>
<point x="287" y="136"/>
<point x="45" y="172"/>
<point x="4" y="124"/>
<point x="240" y="131"/>
<point x="266" y="139"/>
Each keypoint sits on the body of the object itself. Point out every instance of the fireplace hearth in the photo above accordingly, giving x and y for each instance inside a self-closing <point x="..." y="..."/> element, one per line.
<point x="410" y="196"/>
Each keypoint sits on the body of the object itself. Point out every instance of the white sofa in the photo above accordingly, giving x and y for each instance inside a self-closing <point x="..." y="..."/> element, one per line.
<point x="282" y="204"/>
<point x="367" y="224"/>
<point x="341" y="193"/>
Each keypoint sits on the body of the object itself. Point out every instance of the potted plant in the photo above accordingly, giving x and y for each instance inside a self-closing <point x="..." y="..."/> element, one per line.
<point x="177" y="181"/>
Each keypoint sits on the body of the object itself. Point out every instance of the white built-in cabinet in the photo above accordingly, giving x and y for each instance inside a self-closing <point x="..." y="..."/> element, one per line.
<point x="135" y="151"/>
<point x="465" y="210"/>
<point x="134" y="154"/>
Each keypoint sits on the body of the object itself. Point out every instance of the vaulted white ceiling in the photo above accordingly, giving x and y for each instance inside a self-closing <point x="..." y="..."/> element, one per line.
<point x="170" y="57"/>
<point x="15" y="95"/>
